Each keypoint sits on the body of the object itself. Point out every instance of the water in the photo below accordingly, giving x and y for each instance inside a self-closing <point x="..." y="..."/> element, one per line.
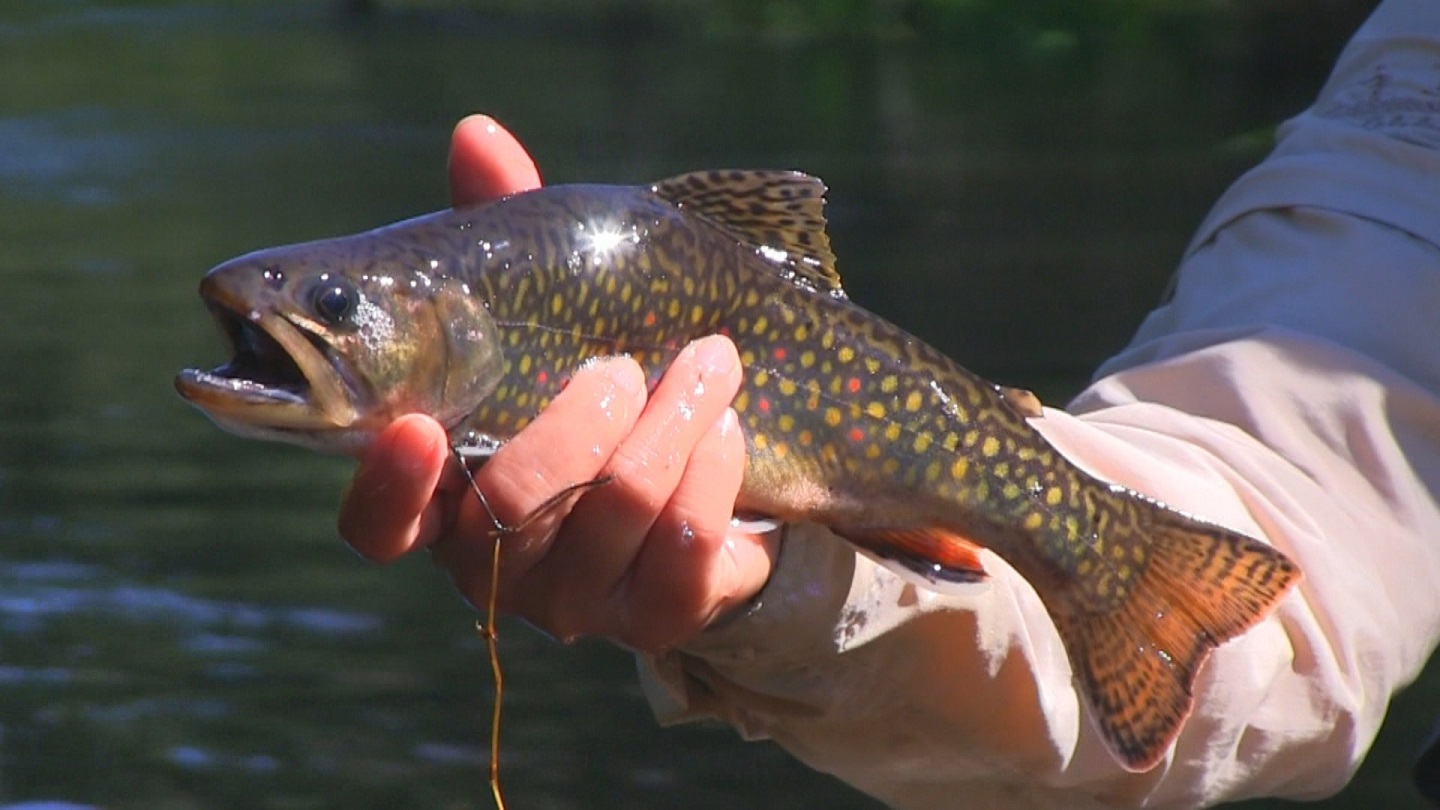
<point x="180" y="627"/>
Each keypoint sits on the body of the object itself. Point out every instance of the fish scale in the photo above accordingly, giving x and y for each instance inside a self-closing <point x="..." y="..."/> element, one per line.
<point x="479" y="316"/>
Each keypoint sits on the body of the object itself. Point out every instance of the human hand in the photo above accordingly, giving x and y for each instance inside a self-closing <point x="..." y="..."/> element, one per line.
<point x="648" y="559"/>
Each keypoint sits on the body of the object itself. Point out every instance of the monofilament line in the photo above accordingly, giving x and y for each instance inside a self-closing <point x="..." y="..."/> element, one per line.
<point x="487" y="627"/>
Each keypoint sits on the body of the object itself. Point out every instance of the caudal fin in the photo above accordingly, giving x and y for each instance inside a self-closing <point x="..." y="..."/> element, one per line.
<point x="1136" y="660"/>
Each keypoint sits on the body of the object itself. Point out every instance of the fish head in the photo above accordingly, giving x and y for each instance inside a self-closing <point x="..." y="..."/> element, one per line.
<point x="331" y="342"/>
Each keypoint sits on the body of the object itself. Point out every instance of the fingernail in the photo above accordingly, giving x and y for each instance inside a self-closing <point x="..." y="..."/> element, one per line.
<point x="714" y="354"/>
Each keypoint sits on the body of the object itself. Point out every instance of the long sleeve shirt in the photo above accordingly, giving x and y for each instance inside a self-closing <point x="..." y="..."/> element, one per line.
<point x="1289" y="389"/>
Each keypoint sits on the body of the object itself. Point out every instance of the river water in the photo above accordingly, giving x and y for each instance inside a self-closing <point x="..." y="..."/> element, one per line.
<point x="180" y="626"/>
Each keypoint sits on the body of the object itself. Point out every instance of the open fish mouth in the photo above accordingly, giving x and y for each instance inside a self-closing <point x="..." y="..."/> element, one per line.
<point x="282" y="376"/>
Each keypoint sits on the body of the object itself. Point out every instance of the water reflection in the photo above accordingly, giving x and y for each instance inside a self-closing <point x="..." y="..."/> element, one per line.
<point x="178" y="624"/>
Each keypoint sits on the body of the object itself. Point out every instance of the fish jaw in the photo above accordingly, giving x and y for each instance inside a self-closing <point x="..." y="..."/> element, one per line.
<point x="283" y="382"/>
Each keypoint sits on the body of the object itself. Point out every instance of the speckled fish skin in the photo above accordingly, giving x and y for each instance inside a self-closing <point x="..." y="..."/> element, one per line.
<point x="849" y="421"/>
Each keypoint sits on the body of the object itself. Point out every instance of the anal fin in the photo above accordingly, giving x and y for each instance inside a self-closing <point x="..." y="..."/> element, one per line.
<point x="935" y="554"/>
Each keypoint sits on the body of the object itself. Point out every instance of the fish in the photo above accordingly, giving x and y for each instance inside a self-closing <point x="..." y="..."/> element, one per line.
<point x="479" y="315"/>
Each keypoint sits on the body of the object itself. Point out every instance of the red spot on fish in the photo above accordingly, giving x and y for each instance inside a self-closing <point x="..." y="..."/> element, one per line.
<point x="764" y="405"/>
<point x="542" y="377"/>
<point x="857" y="435"/>
<point x="780" y="352"/>
<point x="650" y="318"/>
<point x="853" y="384"/>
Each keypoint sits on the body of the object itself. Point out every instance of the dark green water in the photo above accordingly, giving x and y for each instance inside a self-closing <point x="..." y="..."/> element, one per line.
<point x="179" y="625"/>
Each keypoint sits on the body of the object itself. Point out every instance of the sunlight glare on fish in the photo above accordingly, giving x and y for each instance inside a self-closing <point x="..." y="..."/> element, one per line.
<point x="774" y="254"/>
<point x="600" y="239"/>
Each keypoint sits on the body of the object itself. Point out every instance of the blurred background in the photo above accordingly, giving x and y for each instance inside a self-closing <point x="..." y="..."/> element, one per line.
<point x="179" y="624"/>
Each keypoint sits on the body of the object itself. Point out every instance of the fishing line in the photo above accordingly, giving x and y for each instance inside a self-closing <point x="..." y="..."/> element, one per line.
<point x="487" y="628"/>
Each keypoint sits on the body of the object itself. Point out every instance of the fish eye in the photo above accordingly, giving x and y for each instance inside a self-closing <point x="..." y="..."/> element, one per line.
<point x="334" y="300"/>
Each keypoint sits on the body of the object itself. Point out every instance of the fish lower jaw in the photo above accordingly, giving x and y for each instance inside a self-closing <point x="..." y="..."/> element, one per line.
<point x="256" y="410"/>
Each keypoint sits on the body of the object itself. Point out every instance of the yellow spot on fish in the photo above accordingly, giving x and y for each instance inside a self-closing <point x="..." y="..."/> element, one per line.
<point x="761" y="324"/>
<point x="845" y="354"/>
<point x="890" y="466"/>
<point x="1054" y="495"/>
<point x="697" y="314"/>
<point x="872" y="451"/>
<point x="872" y="365"/>
<point x="786" y="422"/>
<point x="807" y="358"/>
<point x="950" y="441"/>
<point x="787" y="386"/>
<point x="781" y="450"/>
<point x="832" y="416"/>
<point x="805" y="438"/>
<point x="761" y="377"/>
<point x="913" y="401"/>
<point x="1034" y="520"/>
<point x="752" y="298"/>
<point x="801" y="332"/>
<point x="959" y="468"/>
<point x="990" y="447"/>
<point x="932" y="472"/>
<point x="875" y="409"/>
<point x="922" y="442"/>
<point x="1011" y="491"/>
<point x="760" y="441"/>
<point x="742" y="401"/>
<point x="673" y="308"/>
<point x="889" y="383"/>
<point x="892" y="431"/>
<point x="524" y="364"/>
<point x="971" y="437"/>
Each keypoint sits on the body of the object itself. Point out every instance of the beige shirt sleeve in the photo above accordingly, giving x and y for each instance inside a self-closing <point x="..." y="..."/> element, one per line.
<point x="1290" y="389"/>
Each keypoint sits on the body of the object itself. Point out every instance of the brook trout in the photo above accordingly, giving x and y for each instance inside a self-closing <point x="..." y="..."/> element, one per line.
<point x="478" y="316"/>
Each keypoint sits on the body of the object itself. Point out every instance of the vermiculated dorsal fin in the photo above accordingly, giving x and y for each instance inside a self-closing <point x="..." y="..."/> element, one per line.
<point x="780" y="212"/>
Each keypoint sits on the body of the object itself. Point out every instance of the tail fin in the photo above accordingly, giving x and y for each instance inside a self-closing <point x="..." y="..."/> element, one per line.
<point x="1136" y="660"/>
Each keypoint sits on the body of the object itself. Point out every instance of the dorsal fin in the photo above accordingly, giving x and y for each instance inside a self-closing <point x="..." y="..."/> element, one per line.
<point x="780" y="213"/>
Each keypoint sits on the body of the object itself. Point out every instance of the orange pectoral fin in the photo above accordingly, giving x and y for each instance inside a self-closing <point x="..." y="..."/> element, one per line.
<point x="935" y="554"/>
